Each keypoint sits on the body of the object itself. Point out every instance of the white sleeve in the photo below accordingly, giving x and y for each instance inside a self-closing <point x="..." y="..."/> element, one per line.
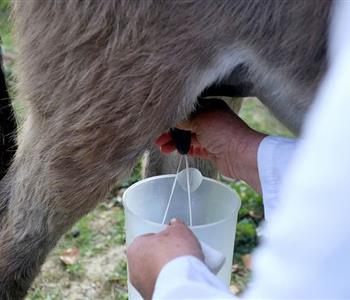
<point x="274" y="155"/>
<point x="306" y="252"/>
<point x="187" y="277"/>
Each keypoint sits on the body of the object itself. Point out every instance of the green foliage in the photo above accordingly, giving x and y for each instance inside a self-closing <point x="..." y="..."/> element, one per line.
<point x="5" y="24"/>
<point x="135" y="175"/>
<point x="252" y="204"/>
<point x="120" y="275"/>
<point x="249" y="217"/>
<point x="84" y="241"/>
<point x="37" y="294"/>
<point x="4" y="5"/>
<point x="92" y="241"/>
<point x="75" y="270"/>
<point x="118" y="280"/>
<point x="120" y="237"/>
<point x="258" y="117"/>
<point x="246" y="237"/>
<point x="240" y="278"/>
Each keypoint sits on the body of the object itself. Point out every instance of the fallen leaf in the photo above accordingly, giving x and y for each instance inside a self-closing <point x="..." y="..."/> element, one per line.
<point x="235" y="268"/>
<point x="256" y="215"/>
<point x="234" y="289"/>
<point x="69" y="256"/>
<point x="121" y="192"/>
<point x="247" y="260"/>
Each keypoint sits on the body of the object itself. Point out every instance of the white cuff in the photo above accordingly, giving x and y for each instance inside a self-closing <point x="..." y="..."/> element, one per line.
<point x="274" y="155"/>
<point x="187" y="277"/>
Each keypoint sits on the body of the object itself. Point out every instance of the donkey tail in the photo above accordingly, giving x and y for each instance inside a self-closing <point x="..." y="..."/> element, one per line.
<point x="8" y="125"/>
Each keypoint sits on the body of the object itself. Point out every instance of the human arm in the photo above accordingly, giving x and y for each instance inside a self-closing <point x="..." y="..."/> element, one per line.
<point x="238" y="151"/>
<point x="169" y="265"/>
<point x="305" y="254"/>
<point x="149" y="253"/>
<point x="219" y="135"/>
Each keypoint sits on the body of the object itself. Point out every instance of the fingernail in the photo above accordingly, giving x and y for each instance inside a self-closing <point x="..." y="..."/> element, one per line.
<point x="173" y="221"/>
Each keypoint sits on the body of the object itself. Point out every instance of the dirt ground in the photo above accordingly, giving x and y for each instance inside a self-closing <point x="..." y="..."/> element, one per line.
<point x="96" y="270"/>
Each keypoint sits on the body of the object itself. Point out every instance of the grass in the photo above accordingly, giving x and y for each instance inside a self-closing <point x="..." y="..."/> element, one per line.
<point x="100" y="270"/>
<point x="5" y="25"/>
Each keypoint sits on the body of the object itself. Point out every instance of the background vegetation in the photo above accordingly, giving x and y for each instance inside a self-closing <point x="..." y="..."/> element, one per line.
<point x="89" y="261"/>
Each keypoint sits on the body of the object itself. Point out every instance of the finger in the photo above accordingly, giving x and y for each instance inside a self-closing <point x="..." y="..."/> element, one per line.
<point x="197" y="151"/>
<point x="177" y="227"/>
<point x="194" y="140"/>
<point x="175" y="221"/>
<point x="205" y="153"/>
<point x="190" y="152"/>
<point x="168" y="147"/>
<point x="163" y="139"/>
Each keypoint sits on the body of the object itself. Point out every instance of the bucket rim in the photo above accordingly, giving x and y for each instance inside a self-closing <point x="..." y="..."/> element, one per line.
<point x="237" y="202"/>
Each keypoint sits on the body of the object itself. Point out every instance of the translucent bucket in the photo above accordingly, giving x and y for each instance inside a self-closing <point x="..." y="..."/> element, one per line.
<point x="214" y="214"/>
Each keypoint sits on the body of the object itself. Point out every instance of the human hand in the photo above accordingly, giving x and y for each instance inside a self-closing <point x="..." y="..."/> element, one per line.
<point x="219" y="135"/>
<point x="149" y="253"/>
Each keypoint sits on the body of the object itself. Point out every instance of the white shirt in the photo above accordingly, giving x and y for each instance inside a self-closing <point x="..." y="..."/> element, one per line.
<point x="307" y="250"/>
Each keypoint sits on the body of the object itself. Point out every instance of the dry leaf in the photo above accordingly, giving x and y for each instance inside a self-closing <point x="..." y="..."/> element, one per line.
<point x="234" y="289"/>
<point x="255" y="215"/>
<point x="235" y="268"/>
<point x="69" y="256"/>
<point x="121" y="192"/>
<point x="247" y="260"/>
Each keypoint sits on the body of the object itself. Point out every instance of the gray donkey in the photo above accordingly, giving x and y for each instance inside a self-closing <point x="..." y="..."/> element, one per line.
<point x="101" y="79"/>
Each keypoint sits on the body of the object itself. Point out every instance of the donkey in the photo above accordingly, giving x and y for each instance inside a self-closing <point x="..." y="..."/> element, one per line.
<point x="102" y="79"/>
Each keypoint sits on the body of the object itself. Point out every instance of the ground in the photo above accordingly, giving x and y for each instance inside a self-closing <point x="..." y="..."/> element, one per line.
<point x="89" y="261"/>
<point x="97" y="270"/>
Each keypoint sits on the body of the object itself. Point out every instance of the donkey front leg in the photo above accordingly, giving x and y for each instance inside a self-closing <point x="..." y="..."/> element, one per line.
<point x="59" y="174"/>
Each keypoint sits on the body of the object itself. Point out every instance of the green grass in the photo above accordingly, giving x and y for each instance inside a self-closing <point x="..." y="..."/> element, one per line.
<point x="117" y="280"/>
<point x="93" y="239"/>
<point x="95" y="235"/>
<point x="37" y="295"/>
<point x="5" y="25"/>
<point x="259" y="118"/>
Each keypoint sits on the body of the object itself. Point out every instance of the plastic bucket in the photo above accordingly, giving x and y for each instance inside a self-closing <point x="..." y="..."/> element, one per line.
<point x="214" y="214"/>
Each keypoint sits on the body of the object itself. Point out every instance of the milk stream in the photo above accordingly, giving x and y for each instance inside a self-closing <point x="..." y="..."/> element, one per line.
<point x="188" y="190"/>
